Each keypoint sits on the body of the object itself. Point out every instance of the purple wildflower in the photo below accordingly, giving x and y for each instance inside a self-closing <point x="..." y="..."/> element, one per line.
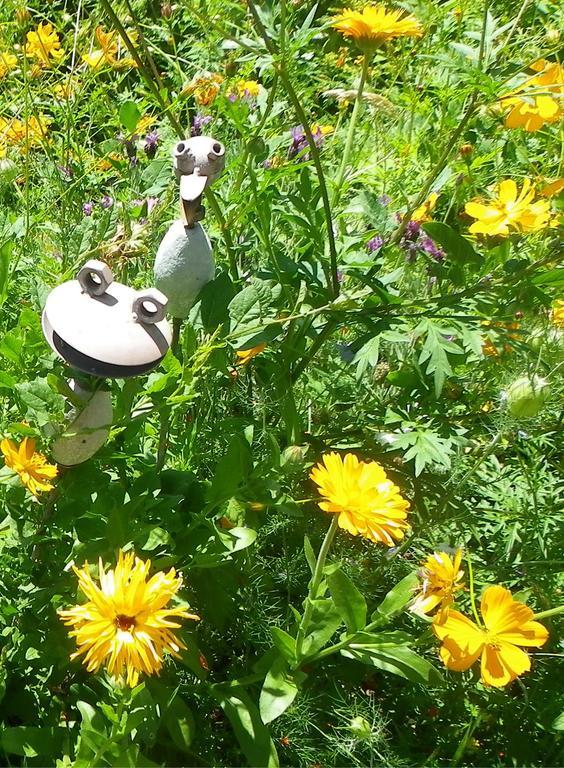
<point x="300" y="142"/>
<point x="429" y="246"/>
<point x="134" y="161"/>
<point x="87" y="208"/>
<point x="66" y="171"/>
<point x="384" y="200"/>
<point x="374" y="244"/>
<point x="199" y="122"/>
<point x="151" y="144"/>
<point x="107" y="202"/>
<point x="152" y="203"/>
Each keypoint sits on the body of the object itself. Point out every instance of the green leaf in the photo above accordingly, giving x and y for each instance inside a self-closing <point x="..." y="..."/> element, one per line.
<point x="29" y="741"/>
<point x="278" y="691"/>
<point x="324" y="622"/>
<point x="454" y="245"/>
<point x="129" y="115"/>
<point x="397" y="598"/>
<point x="285" y="643"/>
<point x="558" y="723"/>
<point x="215" y="298"/>
<point x="309" y="554"/>
<point x="179" y="722"/>
<point x="155" y="178"/>
<point x="248" y="310"/>
<point x="435" y="351"/>
<point x="426" y="446"/>
<point x="400" y="660"/>
<point x="348" y="599"/>
<point x="553" y="277"/>
<point x="231" y="471"/>
<point x="252" y="734"/>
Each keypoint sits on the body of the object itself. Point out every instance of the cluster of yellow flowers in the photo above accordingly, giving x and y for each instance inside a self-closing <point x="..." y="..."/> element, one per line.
<point x="496" y="640"/>
<point x="23" y="133"/>
<point x="44" y="46"/>
<point x="8" y="62"/>
<point x="539" y="100"/>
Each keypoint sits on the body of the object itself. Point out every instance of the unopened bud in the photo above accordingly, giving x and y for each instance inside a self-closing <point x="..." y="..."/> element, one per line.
<point x="166" y="10"/>
<point x="526" y="397"/>
<point x="466" y="149"/>
<point x="360" y="728"/>
<point x="22" y="15"/>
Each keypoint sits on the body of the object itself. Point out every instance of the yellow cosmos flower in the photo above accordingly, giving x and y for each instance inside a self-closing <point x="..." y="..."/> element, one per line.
<point x="537" y="102"/>
<point x="106" y="51"/>
<point x="375" y="25"/>
<point x="44" y="45"/>
<point x="125" y="625"/>
<point x="441" y="579"/>
<point x="8" y="62"/>
<point x="367" y="502"/>
<point x="33" y="469"/>
<point x="508" y="625"/>
<point x="557" y="315"/>
<point x="509" y="210"/>
<point x="204" y="87"/>
<point x="245" y="356"/>
<point x="422" y="213"/>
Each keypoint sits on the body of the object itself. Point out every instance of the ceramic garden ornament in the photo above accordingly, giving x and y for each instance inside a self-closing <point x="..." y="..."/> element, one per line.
<point x="184" y="261"/>
<point x="105" y="328"/>
<point x="87" y="429"/>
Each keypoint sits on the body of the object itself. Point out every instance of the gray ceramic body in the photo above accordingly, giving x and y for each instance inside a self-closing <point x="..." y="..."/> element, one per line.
<point x="184" y="264"/>
<point x="87" y="430"/>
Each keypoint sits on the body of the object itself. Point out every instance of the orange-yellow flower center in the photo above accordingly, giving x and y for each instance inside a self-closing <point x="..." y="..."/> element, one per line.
<point x="125" y="623"/>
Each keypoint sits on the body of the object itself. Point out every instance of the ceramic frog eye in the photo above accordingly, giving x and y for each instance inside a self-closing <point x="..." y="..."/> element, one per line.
<point x="105" y="328"/>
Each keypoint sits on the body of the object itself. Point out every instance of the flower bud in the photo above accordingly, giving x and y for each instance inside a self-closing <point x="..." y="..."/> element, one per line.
<point x="293" y="456"/>
<point x="360" y="728"/>
<point x="525" y="397"/>
<point x="466" y="150"/>
<point x="166" y="10"/>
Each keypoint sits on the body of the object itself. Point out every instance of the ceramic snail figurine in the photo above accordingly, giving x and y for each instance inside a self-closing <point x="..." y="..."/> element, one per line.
<point x="184" y="261"/>
<point x="198" y="162"/>
<point x="88" y="427"/>
<point x="105" y="328"/>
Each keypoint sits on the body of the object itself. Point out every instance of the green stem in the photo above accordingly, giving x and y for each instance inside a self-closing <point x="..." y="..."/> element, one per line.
<point x="228" y="240"/>
<point x="550" y="612"/>
<point x="472" y="596"/>
<point x="314" y="584"/>
<point x="352" y="126"/>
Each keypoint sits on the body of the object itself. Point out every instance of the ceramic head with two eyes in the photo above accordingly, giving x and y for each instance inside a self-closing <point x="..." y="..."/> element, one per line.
<point x="198" y="162"/>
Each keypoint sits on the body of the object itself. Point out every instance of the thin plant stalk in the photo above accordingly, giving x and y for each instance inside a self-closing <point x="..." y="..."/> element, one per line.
<point x="351" y="132"/>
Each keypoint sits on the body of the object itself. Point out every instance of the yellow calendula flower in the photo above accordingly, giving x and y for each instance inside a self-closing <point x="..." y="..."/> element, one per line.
<point x="422" y="213"/>
<point x="508" y="625"/>
<point x="248" y="89"/>
<point x="245" y="356"/>
<point x="441" y="578"/>
<point x="33" y="469"/>
<point x="375" y="24"/>
<point x="538" y="101"/>
<point x="8" y="62"/>
<point x="125" y="625"/>
<point x="204" y="87"/>
<point x="44" y="45"/>
<point x="557" y="315"/>
<point x="367" y="503"/>
<point x="509" y="210"/>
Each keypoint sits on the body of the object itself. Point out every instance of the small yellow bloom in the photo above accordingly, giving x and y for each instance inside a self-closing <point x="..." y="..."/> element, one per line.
<point x="143" y="124"/>
<point x="44" y="45"/>
<point x="65" y="90"/>
<point x="508" y="625"/>
<point x="8" y="62"/>
<point x="323" y="130"/>
<point x="248" y="88"/>
<point x="558" y="313"/>
<point x="367" y="502"/>
<point x="422" y="213"/>
<point x="509" y="210"/>
<point x="106" y="52"/>
<point x="553" y="188"/>
<point x="125" y="625"/>
<point x="441" y="579"/>
<point x="375" y="25"/>
<point x="245" y="356"/>
<point x="204" y="87"/>
<point x="32" y="467"/>
<point x="537" y="102"/>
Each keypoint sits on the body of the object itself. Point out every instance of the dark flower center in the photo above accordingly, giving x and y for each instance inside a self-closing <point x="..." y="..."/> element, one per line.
<point x="125" y="623"/>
